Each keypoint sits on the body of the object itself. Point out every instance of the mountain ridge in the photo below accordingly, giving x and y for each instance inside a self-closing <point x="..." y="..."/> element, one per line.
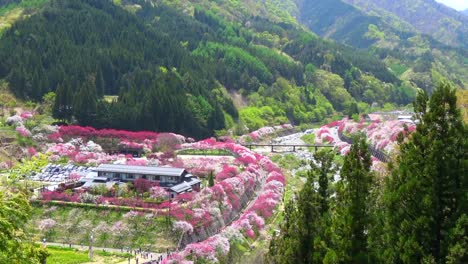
<point x="427" y="16"/>
<point x="180" y="80"/>
<point x="415" y="57"/>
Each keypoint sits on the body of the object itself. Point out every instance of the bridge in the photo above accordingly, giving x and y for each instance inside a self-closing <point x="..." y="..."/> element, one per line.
<point x="293" y="146"/>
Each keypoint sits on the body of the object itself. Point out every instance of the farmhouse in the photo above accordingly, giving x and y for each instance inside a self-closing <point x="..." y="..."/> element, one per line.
<point x="166" y="177"/>
<point x="176" y="180"/>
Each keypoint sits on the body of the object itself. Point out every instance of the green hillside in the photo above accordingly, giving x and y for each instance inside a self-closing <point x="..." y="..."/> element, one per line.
<point x="85" y="49"/>
<point x="428" y="17"/>
<point x="418" y="59"/>
<point x="175" y="67"/>
<point x="337" y="20"/>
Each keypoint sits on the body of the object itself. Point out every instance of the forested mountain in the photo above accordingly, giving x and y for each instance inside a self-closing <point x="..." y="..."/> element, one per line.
<point x="173" y="66"/>
<point x="85" y="49"/>
<point x="465" y="12"/>
<point x="415" y="57"/>
<point x="426" y="16"/>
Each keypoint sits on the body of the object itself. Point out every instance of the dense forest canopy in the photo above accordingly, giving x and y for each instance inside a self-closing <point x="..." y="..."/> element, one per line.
<point x="86" y="49"/>
<point x="176" y="70"/>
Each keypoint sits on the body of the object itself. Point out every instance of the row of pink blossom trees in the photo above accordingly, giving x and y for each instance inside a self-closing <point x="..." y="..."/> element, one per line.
<point x="142" y="140"/>
<point x="382" y="135"/>
<point x="91" y="147"/>
<point x="224" y="203"/>
<point x="264" y="132"/>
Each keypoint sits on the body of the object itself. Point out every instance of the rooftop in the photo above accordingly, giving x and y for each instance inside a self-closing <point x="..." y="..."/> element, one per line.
<point x="94" y="183"/>
<point x="185" y="186"/>
<point x="145" y="170"/>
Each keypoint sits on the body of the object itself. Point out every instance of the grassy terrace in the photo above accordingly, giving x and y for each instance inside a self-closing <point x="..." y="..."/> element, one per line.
<point x="63" y="255"/>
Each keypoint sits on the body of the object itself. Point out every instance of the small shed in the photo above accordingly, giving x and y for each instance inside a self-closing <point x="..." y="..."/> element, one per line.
<point x="192" y="184"/>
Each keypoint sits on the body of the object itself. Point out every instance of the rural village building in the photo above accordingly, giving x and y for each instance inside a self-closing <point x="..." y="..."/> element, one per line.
<point x="177" y="180"/>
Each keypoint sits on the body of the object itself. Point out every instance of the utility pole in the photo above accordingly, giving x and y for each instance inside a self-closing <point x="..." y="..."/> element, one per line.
<point x="91" y="238"/>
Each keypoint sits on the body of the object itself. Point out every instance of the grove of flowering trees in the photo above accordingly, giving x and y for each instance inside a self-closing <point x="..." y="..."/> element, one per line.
<point x="239" y="179"/>
<point x="112" y="228"/>
<point x="261" y="177"/>
<point x="247" y="186"/>
<point x="381" y="135"/>
<point x="263" y="132"/>
<point x="214" y="206"/>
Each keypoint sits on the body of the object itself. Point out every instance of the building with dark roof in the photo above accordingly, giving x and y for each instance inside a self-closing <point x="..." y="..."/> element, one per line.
<point x="188" y="185"/>
<point x="166" y="177"/>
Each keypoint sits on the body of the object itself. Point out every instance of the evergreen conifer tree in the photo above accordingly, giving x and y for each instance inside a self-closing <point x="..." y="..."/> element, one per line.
<point x="426" y="195"/>
<point x="62" y="108"/>
<point x="303" y="232"/>
<point x="100" y="85"/>
<point x="351" y="219"/>
<point x="85" y="103"/>
<point x="211" y="179"/>
<point x="285" y="246"/>
<point x="324" y="167"/>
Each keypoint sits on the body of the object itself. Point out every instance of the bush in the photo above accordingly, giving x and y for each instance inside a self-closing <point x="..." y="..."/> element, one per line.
<point x="142" y="185"/>
<point x="89" y="198"/>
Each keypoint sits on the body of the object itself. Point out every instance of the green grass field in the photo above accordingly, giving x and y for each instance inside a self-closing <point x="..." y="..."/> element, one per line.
<point x="66" y="256"/>
<point x="63" y="255"/>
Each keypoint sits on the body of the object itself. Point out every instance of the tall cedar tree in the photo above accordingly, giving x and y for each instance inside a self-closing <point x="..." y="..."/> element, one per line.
<point x="324" y="167"/>
<point x="302" y="238"/>
<point x="63" y="102"/>
<point x="351" y="220"/>
<point x="85" y="103"/>
<point x="426" y="195"/>
<point x="285" y="246"/>
<point x="211" y="179"/>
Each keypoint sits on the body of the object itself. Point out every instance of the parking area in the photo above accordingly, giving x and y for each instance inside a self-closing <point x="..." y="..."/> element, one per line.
<point x="61" y="173"/>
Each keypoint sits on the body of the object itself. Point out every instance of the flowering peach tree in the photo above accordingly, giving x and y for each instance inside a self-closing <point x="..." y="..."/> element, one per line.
<point x="264" y="132"/>
<point x="382" y="135"/>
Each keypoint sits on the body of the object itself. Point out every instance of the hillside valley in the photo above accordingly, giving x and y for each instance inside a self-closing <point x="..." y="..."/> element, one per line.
<point x="86" y="51"/>
<point x="428" y="17"/>
<point x="233" y="131"/>
<point x="378" y="27"/>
